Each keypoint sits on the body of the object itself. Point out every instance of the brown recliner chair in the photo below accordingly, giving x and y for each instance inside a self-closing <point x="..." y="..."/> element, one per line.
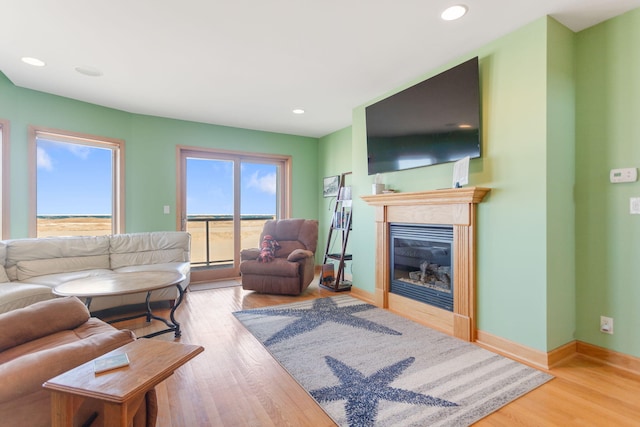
<point x="292" y="269"/>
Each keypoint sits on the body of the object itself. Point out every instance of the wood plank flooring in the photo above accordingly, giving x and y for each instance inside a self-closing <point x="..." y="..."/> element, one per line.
<point x="236" y="382"/>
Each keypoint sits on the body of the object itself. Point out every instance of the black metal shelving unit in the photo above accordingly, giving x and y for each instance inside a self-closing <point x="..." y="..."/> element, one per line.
<point x="339" y="229"/>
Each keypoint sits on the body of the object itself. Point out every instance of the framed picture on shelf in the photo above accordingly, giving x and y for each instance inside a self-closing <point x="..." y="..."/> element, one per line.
<point x="331" y="185"/>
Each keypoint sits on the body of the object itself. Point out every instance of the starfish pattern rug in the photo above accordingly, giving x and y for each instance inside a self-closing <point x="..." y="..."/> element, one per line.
<point x="368" y="367"/>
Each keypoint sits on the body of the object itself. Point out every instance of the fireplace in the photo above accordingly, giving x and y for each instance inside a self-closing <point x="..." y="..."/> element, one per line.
<point x="448" y="211"/>
<point x="421" y="263"/>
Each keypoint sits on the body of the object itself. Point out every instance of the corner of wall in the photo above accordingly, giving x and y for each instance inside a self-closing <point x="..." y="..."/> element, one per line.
<point x="560" y="203"/>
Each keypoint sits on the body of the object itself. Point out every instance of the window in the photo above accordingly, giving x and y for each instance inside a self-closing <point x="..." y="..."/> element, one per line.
<point x="77" y="184"/>
<point x="4" y="179"/>
<point x="224" y="199"/>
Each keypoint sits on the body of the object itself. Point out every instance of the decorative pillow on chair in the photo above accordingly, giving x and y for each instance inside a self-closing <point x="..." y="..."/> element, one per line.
<point x="268" y="249"/>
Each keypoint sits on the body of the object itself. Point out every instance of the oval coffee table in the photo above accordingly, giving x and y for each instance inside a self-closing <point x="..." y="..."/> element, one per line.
<point x="128" y="283"/>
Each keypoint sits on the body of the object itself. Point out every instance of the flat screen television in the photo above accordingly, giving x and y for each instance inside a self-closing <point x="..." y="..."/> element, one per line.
<point x="435" y="121"/>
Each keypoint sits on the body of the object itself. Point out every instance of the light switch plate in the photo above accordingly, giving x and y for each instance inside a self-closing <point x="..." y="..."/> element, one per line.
<point x="634" y="205"/>
<point x="623" y="175"/>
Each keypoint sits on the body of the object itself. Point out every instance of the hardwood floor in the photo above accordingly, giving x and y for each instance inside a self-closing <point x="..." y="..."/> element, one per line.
<point x="236" y="382"/>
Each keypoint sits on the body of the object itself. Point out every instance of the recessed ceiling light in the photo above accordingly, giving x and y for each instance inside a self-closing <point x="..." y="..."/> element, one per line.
<point x="298" y="111"/>
<point x="454" y="12"/>
<point x="33" y="61"/>
<point x="89" y="71"/>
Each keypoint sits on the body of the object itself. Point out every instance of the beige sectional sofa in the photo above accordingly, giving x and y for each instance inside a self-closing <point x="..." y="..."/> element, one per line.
<point x="33" y="267"/>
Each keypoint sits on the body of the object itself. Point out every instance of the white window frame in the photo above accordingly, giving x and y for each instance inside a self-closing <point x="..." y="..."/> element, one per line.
<point x="117" y="147"/>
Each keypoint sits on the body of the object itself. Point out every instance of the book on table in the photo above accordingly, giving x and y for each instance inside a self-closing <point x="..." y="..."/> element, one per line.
<point x="110" y="362"/>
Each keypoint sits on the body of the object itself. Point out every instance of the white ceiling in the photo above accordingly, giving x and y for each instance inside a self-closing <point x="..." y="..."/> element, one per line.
<point x="248" y="63"/>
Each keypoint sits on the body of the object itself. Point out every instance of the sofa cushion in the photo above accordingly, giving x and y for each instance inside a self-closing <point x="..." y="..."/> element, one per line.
<point x="305" y="231"/>
<point x="40" y="319"/>
<point x="12" y="272"/>
<point x="3" y="275"/>
<point x="53" y="280"/>
<point x="119" y="260"/>
<point x="149" y="248"/>
<point x="17" y="295"/>
<point x="21" y="250"/>
<point x="39" y="267"/>
<point x="288" y="246"/>
<point x="180" y="267"/>
<point x="3" y="252"/>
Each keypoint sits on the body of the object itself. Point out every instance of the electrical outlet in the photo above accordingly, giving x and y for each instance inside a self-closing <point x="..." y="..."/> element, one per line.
<point x="606" y="325"/>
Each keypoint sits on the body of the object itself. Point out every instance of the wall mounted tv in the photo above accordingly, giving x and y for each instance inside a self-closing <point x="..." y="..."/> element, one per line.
<point x="435" y="121"/>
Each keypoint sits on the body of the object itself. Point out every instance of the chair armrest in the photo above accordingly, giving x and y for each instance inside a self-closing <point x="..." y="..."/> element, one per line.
<point x="299" y="254"/>
<point x="249" y="254"/>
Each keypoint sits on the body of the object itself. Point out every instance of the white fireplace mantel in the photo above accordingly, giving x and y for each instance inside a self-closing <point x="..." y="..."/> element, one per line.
<point x="456" y="207"/>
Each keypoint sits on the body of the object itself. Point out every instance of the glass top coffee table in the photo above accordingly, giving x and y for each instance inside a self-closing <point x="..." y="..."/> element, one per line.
<point x="128" y="283"/>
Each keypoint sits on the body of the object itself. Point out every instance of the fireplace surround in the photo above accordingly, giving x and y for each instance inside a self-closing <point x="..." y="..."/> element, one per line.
<point x="454" y="207"/>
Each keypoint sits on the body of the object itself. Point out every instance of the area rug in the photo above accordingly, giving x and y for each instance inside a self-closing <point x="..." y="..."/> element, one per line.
<point x="368" y="367"/>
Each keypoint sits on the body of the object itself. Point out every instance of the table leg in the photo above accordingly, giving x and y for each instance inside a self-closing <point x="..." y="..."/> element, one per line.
<point x="148" y="302"/>
<point x="121" y="414"/>
<point x="173" y="310"/>
<point x="63" y="408"/>
<point x="172" y="324"/>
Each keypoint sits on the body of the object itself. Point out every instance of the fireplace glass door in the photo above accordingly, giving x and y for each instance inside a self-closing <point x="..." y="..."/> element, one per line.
<point x="421" y="258"/>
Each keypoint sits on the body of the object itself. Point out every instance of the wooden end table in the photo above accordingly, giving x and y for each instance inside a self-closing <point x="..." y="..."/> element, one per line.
<point x="121" y="390"/>
<point x="128" y="283"/>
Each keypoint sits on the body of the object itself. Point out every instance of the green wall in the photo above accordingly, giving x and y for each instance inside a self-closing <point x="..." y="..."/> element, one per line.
<point x="556" y="245"/>
<point x="561" y="290"/>
<point x="150" y="151"/>
<point x="607" y="236"/>
<point x="334" y="155"/>
<point x="512" y="220"/>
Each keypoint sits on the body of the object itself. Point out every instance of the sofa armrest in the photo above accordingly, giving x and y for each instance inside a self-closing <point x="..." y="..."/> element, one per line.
<point x="41" y="319"/>
<point x="249" y="254"/>
<point x="27" y="373"/>
<point x="299" y="254"/>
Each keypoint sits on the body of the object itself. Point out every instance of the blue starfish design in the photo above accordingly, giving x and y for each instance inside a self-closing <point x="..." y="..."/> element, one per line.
<point x="363" y="393"/>
<point x="324" y="310"/>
